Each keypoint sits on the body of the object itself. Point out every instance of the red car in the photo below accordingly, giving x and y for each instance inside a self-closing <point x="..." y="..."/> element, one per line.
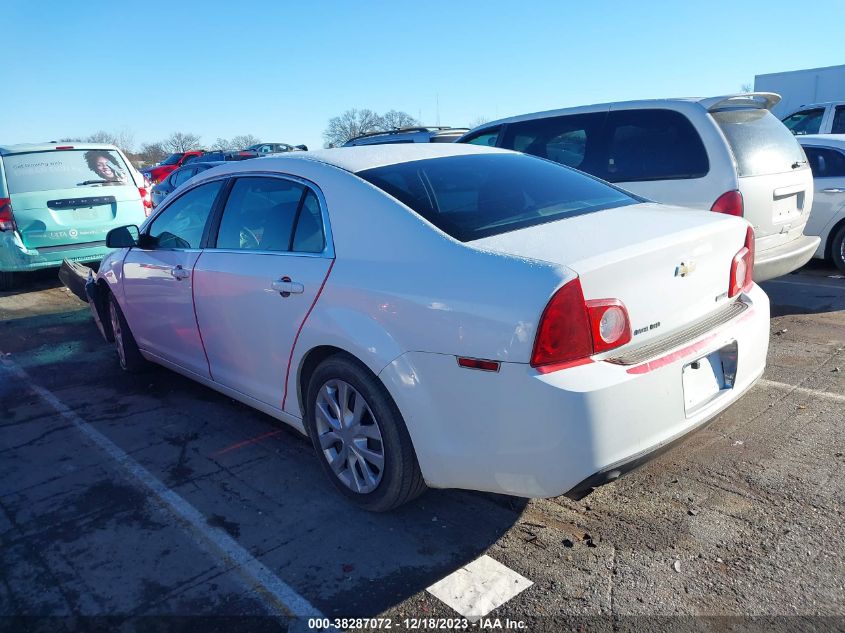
<point x="174" y="161"/>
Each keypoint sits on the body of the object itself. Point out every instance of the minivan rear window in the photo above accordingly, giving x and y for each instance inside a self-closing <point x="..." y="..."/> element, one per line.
<point x="475" y="196"/>
<point x="760" y="143"/>
<point x="64" y="169"/>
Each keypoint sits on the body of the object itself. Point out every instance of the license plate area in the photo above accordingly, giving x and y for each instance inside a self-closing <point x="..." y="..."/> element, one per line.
<point x="709" y="377"/>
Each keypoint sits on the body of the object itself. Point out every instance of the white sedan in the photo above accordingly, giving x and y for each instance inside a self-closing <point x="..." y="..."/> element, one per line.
<point x="442" y="315"/>
<point x="826" y="155"/>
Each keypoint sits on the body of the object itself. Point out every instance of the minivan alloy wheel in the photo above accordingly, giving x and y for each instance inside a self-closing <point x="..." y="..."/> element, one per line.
<point x="349" y="436"/>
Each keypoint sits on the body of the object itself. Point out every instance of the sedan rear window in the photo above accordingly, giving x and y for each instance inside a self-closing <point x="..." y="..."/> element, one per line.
<point x="64" y="169"/>
<point x="760" y="143"/>
<point x="475" y="196"/>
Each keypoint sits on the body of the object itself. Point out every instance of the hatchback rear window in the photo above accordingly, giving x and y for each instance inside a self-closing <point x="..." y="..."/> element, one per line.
<point x="475" y="196"/>
<point x="64" y="169"/>
<point x="760" y="143"/>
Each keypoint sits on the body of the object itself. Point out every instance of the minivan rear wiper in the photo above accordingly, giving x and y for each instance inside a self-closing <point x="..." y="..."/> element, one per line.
<point x="97" y="182"/>
<point x="798" y="163"/>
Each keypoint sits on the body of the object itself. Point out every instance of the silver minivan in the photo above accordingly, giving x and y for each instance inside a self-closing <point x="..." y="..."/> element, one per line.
<point x="725" y="154"/>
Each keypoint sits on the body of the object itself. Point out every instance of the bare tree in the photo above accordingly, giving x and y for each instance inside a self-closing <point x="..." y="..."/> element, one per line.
<point x="350" y="124"/>
<point x="479" y="120"/>
<point x="102" y="137"/>
<point x="244" y="140"/>
<point x="221" y="144"/>
<point x="396" y="119"/>
<point x="746" y="87"/>
<point x="181" y="142"/>
<point x="125" y="140"/>
<point x="152" y="153"/>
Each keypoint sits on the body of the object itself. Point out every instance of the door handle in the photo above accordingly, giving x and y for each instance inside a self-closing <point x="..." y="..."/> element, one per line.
<point x="833" y="190"/>
<point x="179" y="273"/>
<point x="286" y="287"/>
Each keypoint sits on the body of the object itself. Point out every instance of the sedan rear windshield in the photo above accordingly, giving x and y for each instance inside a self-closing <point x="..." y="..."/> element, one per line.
<point x="172" y="159"/>
<point x="475" y="196"/>
<point x="64" y="169"/>
<point x="760" y="143"/>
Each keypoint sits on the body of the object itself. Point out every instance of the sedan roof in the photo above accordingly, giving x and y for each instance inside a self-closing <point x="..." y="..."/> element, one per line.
<point x="822" y="139"/>
<point x="360" y="158"/>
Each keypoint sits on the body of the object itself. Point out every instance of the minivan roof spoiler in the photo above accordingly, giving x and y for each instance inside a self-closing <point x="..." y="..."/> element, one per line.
<point x="760" y="100"/>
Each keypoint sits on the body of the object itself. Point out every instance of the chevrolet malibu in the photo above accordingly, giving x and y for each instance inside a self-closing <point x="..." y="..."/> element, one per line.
<point x="442" y="315"/>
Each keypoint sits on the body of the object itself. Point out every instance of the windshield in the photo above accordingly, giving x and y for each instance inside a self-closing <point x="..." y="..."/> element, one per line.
<point x="475" y="196"/>
<point x="171" y="160"/>
<point x="760" y="143"/>
<point x="64" y="169"/>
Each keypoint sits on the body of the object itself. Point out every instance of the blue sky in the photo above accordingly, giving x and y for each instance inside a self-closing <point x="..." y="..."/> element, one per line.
<point x="280" y="70"/>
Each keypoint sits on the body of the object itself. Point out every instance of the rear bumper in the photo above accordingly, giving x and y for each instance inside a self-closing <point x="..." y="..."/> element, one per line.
<point x="783" y="259"/>
<point x="522" y="432"/>
<point x="15" y="257"/>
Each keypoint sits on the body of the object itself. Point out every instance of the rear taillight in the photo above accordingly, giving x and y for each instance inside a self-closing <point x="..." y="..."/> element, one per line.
<point x="7" y="220"/>
<point x="729" y="203"/>
<point x="742" y="267"/>
<point x="572" y="328"/>
<point x="146" y="199"/>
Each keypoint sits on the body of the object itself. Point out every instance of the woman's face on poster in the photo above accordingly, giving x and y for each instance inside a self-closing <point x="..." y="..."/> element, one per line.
<point x="103" y="168"/>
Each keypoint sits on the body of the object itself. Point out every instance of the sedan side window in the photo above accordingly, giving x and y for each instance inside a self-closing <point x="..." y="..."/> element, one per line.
<point x="260" y="214"/>
<point x="805" y="122"/>
<point x="309" y="237"/>
<point x="182" y="223"/>
<point x="838" y="121"/>
<point x="181" y="176"/>
<point x="487" y="138"/>
<point x="825" y="163"/>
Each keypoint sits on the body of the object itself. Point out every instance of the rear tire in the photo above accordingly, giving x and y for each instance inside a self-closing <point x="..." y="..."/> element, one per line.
<point x="8" y="280"/>
<point x="837" y="249"/>
<point x="128" y="353"/>
<point x="360" y="437"/>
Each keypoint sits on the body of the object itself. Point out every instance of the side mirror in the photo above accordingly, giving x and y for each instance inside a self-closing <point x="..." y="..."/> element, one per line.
<point x="123" y="237"/>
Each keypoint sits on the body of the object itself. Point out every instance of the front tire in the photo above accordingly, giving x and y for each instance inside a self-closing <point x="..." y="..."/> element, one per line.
<point x="360" y="437"/>
<point x="837" y="249"/>
<point x="127" y="349"/>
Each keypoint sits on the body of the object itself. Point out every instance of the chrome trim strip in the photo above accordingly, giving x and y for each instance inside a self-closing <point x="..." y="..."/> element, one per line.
<point x="669" y="342"/>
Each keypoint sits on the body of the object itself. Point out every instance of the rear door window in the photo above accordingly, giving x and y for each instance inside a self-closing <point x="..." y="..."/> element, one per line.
<point x="569" y="140"/>
<point x="826" y="163"/>
<point x="760" y="143"/>
<point x="656" y="144"/>
<point x="182" y="175"/>
<point x="805" y="122"/>
<point x="838" y="121"/>
<point x="65" y="169"/>
<point x="260" y="214"/>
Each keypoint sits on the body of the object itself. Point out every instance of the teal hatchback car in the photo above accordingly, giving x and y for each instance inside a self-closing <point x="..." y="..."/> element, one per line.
<point x="58" y="201"/>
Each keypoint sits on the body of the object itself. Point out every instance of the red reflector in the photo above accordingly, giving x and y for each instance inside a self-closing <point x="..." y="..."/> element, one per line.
<point x="476" y="363"/>
<point x="7" y="220"/>
<point x="64" y="147"/>
<point x="729" y="203"/>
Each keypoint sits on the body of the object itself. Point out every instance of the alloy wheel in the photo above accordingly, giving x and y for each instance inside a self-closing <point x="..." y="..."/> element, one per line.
<point x="349" y="436"/>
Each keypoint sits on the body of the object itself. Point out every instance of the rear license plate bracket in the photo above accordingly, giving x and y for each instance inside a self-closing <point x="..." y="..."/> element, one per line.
<point x="708" y="377"/>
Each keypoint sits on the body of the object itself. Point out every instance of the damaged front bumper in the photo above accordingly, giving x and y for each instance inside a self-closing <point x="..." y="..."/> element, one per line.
<point x="81" y="282"/>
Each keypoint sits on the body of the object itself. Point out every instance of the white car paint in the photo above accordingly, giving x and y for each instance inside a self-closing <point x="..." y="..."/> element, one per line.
<point x="828" y="213"/>
<point x="406" y="300"/>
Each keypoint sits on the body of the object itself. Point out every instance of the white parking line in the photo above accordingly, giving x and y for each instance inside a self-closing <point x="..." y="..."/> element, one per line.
<point x="277" y="596"/>
<point x="479" y="587"/>
<point x="826" y="395"/>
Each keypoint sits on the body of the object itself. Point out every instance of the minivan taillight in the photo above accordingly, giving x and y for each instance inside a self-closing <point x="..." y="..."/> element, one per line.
<point x="742" y="267"/>
<point x="572" y="328"/>
<point x="147" y="200"/>
<point x="7" y="220"/>
<point x="729" y="203"/>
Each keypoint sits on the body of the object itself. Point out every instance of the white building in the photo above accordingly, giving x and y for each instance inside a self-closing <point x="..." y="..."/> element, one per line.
<point x="802" y="87"/>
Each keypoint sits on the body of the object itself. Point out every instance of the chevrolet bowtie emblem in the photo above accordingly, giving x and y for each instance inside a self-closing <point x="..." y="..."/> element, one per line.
<point x="685" y="268"/>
